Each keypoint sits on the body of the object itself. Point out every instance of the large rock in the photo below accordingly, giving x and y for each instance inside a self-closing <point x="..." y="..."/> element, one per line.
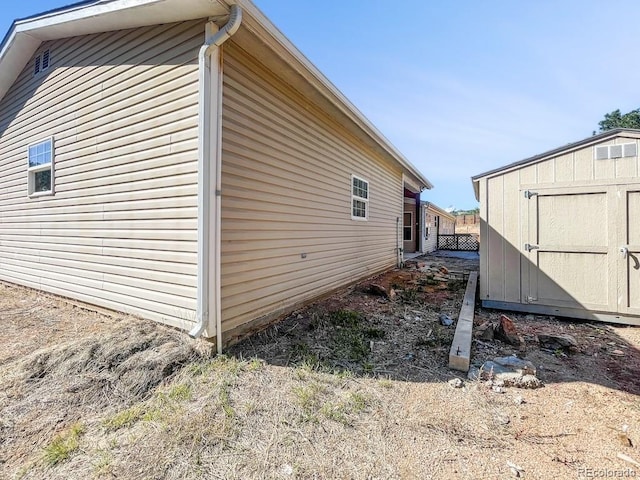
<point x="561" y="341"/>
<point x="507" y="332"/>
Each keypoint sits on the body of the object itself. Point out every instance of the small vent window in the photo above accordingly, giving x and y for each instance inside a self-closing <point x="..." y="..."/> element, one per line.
<point x="616" y="151"/>
<point x="602" y="153"/>
<point x="630" y="149"/>
<point x="42" y="62"/>
<point x="45" y="60"/>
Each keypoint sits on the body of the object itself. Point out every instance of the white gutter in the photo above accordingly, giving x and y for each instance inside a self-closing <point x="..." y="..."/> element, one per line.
<point x="210" y="130"/>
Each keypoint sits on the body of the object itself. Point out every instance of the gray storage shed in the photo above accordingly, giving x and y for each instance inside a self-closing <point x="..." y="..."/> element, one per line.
<point x="560" y="231"/>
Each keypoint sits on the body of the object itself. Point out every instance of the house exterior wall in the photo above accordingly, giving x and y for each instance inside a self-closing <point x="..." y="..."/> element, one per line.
<point x="287" y="231"/>
<point x="505" y="212"/>
<point x="121" y="230"/>
<point x="436" y="223"/>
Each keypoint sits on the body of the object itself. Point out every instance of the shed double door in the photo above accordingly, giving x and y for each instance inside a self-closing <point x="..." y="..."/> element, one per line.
<point x="581" y="248"/>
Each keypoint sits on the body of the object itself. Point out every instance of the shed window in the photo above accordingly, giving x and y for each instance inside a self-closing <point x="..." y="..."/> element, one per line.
<point x="359" y="198"/>
<point x="40" y="167"/>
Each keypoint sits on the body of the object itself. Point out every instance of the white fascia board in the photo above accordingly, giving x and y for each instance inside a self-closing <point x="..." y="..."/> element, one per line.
<point x="310" y="72"/>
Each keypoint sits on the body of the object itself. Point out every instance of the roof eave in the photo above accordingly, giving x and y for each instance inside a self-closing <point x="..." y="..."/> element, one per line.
<point x="95" y="16"/>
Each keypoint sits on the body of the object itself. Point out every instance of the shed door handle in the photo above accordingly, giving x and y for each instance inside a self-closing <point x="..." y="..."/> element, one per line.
<point x="624" y="250"/>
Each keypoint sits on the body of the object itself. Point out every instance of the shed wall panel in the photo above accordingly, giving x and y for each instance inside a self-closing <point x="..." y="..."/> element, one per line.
<point x="287" y="231"/>
<point x="120" y="231"/>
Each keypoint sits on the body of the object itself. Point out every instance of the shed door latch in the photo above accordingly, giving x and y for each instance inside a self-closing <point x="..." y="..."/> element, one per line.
<point x="528" y="194"/>
<point x="528" y="247"/>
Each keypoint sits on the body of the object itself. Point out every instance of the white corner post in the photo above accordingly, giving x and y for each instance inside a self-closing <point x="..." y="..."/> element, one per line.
<point x="208" y="309"/>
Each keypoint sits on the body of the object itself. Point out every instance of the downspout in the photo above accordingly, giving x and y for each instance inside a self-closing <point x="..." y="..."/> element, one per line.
<point x="399" y="251"/>
<point x="210" y="130"/>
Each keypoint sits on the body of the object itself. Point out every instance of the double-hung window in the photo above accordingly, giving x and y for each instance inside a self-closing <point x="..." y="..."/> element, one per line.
<point x="40" y="168"/>
<point x="359" y="198"/>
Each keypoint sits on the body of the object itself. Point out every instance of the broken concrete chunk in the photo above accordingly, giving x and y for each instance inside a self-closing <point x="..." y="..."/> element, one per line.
<point x="507" y="332"/>
<point x="554" y="342"/>
<point x="508" y="372"/>
<point x="517" y="364"/>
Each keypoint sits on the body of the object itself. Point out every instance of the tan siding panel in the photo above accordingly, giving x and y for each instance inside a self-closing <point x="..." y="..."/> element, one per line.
<point x="495" y="238"/>
<point x="583" y="164"/>
<point x="564" y="168"/>
<point x="287" y="195"/>
<point x="546" y="171"/>
<point x="511" y="241"/>
<point x="121" y="230"/>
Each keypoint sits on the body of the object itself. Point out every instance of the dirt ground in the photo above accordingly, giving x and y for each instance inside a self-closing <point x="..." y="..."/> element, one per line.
<point x="355" y="386"/>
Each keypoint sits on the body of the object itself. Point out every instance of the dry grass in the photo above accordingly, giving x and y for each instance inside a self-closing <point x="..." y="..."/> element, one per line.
<point x="331" y="392"/>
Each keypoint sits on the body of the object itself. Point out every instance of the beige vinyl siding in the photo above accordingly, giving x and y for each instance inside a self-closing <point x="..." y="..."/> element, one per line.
<point x="286" y="194"/>
<point x="121" y="230"/>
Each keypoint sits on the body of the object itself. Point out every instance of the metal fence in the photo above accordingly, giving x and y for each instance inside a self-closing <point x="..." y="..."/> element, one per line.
<point x="466" y="242"/>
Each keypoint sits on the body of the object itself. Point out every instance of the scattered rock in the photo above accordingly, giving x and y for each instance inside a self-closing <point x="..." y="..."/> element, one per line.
<point x="456" y="383"/>
<point x="515" y="469"/>
<point x="518" y="400"/>
<point x="485" y="331"/>
<point x="392" y="294"/>
<point x="617" y="353"/>
<point x="498" y="389"/>
<point x="379" y="290"/>
<point x="473" y="373"/>
<point x="507" y="332"/>
<point x="443" y="270"/>
<point x="557" y="342"/>
<point x="625" y="441"/>
<point x="445" y="320"/>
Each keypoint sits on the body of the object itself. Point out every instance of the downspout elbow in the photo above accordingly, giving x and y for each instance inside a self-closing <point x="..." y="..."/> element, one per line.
<point x="222" y="35"/>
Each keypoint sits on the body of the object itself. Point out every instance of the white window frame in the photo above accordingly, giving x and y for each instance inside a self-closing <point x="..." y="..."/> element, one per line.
<point x="31" y="171"/>
<point x="360" y="199"/>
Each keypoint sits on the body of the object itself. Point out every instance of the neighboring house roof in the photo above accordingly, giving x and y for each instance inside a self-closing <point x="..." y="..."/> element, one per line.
<point x="594" y="139"/>
<point x="87" y="17"/>
<point x="440" y="211"/>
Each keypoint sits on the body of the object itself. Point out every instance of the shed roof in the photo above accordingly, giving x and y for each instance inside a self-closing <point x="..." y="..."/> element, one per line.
<point x="594" y="139"/>
<point x="95" y="16"/>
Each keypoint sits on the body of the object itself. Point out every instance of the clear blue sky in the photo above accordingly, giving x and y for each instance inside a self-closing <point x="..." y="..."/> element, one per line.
<point x="463" y="87"/>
